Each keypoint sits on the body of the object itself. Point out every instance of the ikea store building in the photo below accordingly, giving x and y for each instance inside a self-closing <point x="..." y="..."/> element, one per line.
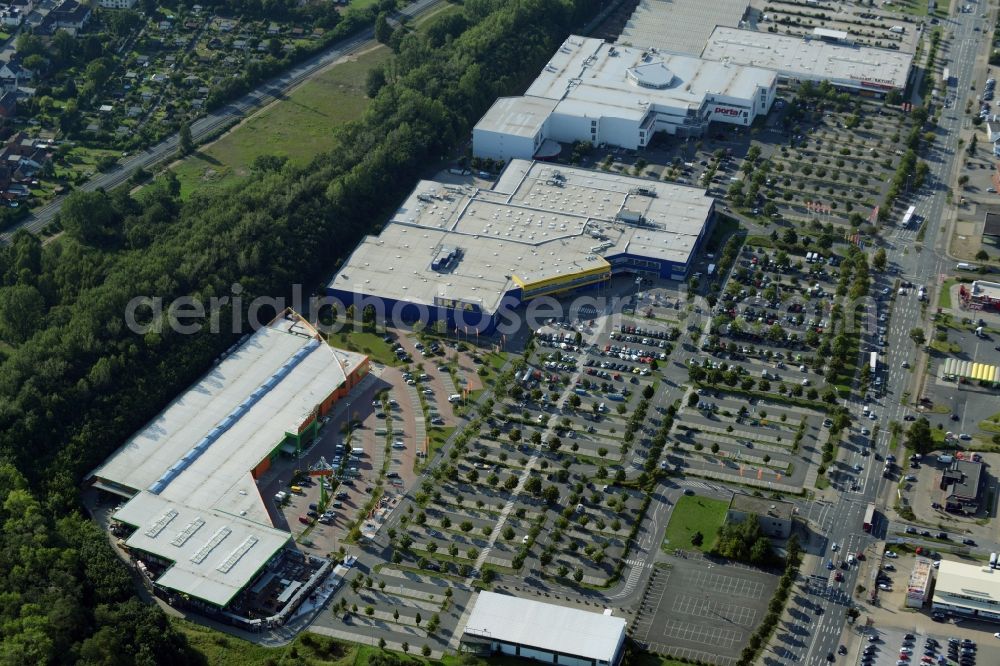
<point x="464" y="255"/>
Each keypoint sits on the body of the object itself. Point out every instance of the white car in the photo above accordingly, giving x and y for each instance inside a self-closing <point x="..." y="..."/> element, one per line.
<point x="891" y="555"/>
<point x="885" y="587"/>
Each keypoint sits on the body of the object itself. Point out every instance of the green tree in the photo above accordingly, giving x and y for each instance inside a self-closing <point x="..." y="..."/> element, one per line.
<point x="185" y="144"/>
<point x="22" y="307"/>
<point x="383" y="31"/>
<point x="919" y="436"/>
<point x="91" y="218"/>
<point x="918" y="337"/>
<point x="878" y="261"/>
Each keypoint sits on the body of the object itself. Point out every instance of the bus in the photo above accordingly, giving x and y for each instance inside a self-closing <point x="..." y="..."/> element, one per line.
<point x="908" y="216"/>
<point x="869" y="518"/>
<point x="873" y="362"/>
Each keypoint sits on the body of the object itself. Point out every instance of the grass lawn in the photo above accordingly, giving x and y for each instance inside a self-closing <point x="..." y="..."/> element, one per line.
<point x="694" y="514"/>
<point x="221" y="649"/>
<point x="365" y="342"/>
<point x="299" y="127"/>
<point x="437" y="436"/>
<point x="822" y="482"/>
<point x="992" y="424"/>
<point x="944" y="298"/>
<point x="723" y="227"/>
<point x="913" y="7"/>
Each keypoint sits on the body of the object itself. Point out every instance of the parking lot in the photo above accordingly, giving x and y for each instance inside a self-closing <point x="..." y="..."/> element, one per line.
<point x="697" y="609"/>
<point x="889" y="647"/>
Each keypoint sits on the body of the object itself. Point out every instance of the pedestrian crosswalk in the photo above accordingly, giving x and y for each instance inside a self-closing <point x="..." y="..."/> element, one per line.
<point x="695" y="484"/>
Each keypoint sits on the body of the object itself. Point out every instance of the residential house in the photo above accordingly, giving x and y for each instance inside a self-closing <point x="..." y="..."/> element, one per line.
<point x="993" y="134"/>
<point x="70" y="16"/>
<point x="11" y="17"/>
<point x="12" y="75"/>
<point x="116" y="4"/>
<point x="25" y="6"/>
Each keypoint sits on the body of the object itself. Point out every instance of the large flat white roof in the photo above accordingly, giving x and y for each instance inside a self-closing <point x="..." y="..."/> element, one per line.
<point x="810" y="58"/>
<point x="195" y="458"/>
<point x="681" y="26"/>
<point x="970" y="585"/>
<point x="545" y="626"/>
<point x="595" y="78"/>
<point x="219" y="477"/>
<point x="215" y="555"/>
<point x="518" y="116"/>
<point x="539" y="221"/>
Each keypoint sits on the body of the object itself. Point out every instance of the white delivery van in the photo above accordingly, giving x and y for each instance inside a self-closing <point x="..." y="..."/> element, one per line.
<point x="454" y="397"/>
<point x="358" y="451"/>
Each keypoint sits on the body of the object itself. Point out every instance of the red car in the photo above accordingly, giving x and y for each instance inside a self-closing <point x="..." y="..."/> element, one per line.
<point x="304" y="520"/>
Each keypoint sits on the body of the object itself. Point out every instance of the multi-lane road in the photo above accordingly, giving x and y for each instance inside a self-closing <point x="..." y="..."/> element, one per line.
<point x="921" y="268"/>
<point x="210" y="124"/>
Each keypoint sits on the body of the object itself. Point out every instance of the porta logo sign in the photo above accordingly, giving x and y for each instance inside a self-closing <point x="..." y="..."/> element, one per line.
<point x="727" y="111"/>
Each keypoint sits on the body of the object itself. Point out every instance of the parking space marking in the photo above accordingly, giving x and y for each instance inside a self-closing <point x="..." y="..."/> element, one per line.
<point x="690" y="654"/>
<point x="729" y="585"/>
<point x="703" y="634"/>
<point x="702" y="607"/>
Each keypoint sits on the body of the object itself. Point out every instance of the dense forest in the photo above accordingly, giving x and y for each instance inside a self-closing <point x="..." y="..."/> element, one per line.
<point x="75" y="382"/>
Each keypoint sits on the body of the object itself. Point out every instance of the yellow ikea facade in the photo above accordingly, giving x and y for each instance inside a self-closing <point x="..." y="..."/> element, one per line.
<point x="565" y="282"/>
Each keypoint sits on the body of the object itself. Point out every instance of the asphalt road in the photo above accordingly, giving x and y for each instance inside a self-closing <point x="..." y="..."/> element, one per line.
<point x="923" y="267"/>
<point x="211" y="123"/>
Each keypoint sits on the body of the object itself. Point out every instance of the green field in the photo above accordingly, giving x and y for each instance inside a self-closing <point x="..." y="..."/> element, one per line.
<point x="694" y="514"/>
<point x="298" y="127"/>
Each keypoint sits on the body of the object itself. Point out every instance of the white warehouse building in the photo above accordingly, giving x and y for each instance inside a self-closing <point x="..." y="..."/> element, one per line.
<point x="529" y="629"/>
<point x="609" y="94"/>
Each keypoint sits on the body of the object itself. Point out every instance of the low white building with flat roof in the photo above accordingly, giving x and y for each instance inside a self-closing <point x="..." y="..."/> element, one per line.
<point x="464" y="255"/>
<point x="864" y="69"/>
<point x="536" y="630"/>
<point x="190" y="475"/>
<point x="972" y="590"/>
<point x="604" y="93"/>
